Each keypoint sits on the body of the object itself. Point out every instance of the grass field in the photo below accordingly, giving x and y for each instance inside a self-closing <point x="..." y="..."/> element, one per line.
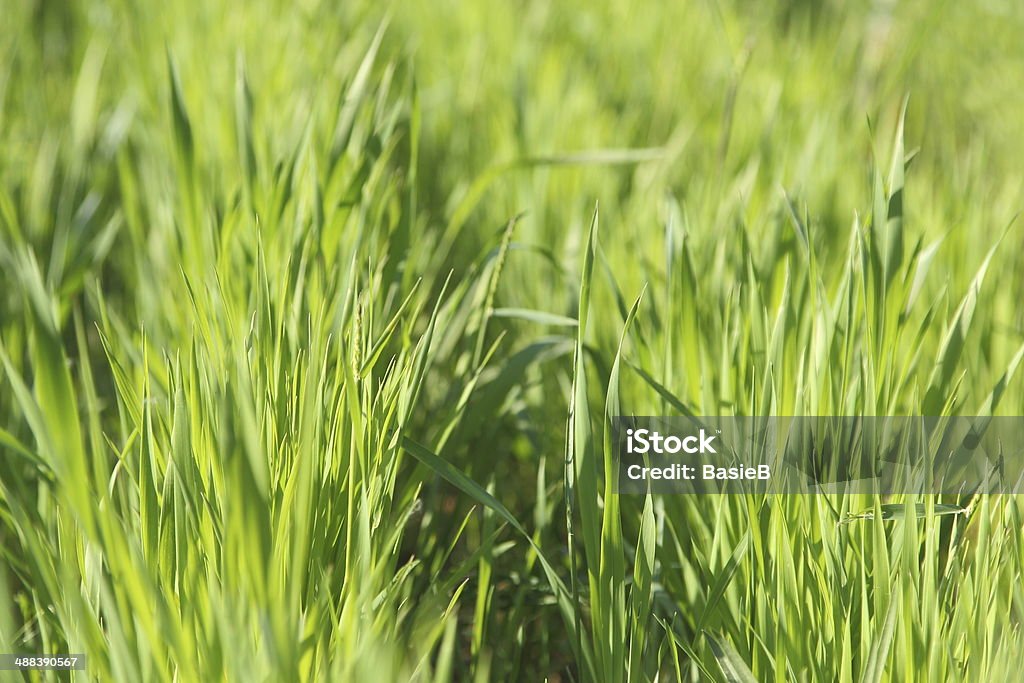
<point x="313" y="317"/>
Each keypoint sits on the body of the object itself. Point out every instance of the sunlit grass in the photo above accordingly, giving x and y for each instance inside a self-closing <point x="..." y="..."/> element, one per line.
<point x="314" y="320"/>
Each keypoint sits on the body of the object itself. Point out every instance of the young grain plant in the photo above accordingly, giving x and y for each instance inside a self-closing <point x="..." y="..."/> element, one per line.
<point x="313" y="322"/>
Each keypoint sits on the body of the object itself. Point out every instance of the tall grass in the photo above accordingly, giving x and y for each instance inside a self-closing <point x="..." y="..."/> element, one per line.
<point x="313" y="321"/>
